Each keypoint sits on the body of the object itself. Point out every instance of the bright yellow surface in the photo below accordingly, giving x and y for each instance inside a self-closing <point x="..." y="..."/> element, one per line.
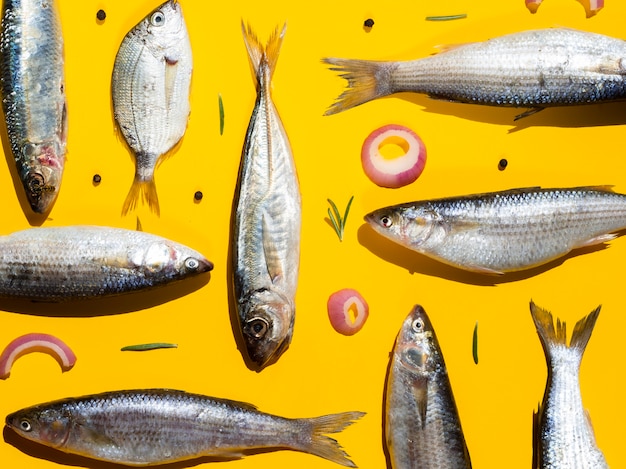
<point x="324" y="372"/>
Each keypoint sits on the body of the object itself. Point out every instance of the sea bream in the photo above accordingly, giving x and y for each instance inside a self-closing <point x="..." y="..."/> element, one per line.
<point x="266" y="220"/>
<point x="52" y="264"/>
<point x="160" y="426"/>
<point x="32" y="83"/>
<point x="563" y="435"/>
<point x="506" y="231"/>
<point x="532" y="69"/>
<point x="150" y="88"/>
<point x="422" y="425"/>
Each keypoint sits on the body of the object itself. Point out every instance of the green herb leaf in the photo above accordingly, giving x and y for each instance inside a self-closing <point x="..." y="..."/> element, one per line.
<point x="150" y="346"/>
<point x="446" y="17"/>
<point x="221" y="105"/>
<point x="337" y="221"/>
<point x="475" y="344"/>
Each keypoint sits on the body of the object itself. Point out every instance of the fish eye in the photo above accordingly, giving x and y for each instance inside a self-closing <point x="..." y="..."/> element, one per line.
<point x="157" y="19"/>
<point x="25" y="426"/>
<point x="418" y="325"/>
<point x="191" y="263"/>
<point x="386" y="221"/>
<point x="257" y="327"/>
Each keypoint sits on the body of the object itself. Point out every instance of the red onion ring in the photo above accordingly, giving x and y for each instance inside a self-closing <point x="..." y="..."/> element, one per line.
<point x="35" y="342"/>
<point x="347" y="311"/>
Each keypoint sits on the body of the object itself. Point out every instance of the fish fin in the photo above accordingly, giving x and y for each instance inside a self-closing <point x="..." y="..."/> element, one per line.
<point x="533" y="5"/>
<point x="257" y="54"/>
<point x="171" y="71"/>
<point x="528" y="112"/>
<point x="367" y="80"/>
<point x="316" y="442"/>
<point x="482" y="269"/>
<point x="604" y="238"/>
<point x="583" y="329"/>
<point x="138" y="227"/>
<point x="272" y="260"/>
<point x="146" y="190"/>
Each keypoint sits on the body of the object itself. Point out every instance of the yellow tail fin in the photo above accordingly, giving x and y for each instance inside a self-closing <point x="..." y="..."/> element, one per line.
<point x="262" y="56"/>
<point x="144" y="190"/>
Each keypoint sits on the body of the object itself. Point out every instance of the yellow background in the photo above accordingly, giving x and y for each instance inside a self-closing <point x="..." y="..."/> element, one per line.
<point x="324" y="372"/>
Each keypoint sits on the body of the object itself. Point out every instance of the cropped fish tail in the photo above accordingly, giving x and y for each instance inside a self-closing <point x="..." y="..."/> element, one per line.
<point x="367" y="80"/>
<point x="144" y="190"/>
<point x="317" y="443"/>
<point x="261" y="57"/>
<point x="552" y="337"/>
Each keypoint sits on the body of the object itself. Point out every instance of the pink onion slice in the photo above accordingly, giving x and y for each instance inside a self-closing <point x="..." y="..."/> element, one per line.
<point x="393" y="172"/>
<point x="595" y="6"/>
<point x="347" y="311"/>
<point x="36" y="342"/>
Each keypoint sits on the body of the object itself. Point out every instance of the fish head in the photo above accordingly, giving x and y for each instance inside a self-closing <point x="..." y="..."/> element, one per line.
<point x="169" y="260"/>
<point x="408" y="224"/>
<point x="266" y="325"/>
<point x="46" y="425"/>
<point x="416" y="346"/>
<point x="42" y="178"/>
<point x="162" y="27"/>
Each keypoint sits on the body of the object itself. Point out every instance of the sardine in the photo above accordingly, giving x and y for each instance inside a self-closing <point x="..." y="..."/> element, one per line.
<point x="150" y="87"/>
<point x="159" y="426"/>
<point x="32" y="84"/>
<point x="533" y="69"/>
<point x="266" y="220"/>
<point x="505" y="231"/>
<point x="563" y="434"/>
<point x="422" y="426"/>
<point x="52" y="264"/>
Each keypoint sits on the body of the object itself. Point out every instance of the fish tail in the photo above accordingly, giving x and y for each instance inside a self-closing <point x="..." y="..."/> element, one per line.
<point x="552" y="337"/>
<point x="367" y="80"/>
<point x="260" y="55"/>
<point x="316" y="442"/>
<point x="144" y="190"/>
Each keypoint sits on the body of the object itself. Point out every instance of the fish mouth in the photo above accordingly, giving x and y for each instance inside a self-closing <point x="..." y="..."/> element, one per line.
<point x="41" y="192"/>
<point x="267" y="353"/>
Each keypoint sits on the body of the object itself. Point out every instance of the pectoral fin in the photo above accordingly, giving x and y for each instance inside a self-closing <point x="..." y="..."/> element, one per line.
<point x="273" y="262"/>
<point x="420" y="392"/>
<point x="605" y="238"/>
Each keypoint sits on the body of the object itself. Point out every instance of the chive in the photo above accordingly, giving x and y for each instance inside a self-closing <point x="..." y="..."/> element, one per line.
<point x="475" y="344"/>
<point x="337" y="221"/>
<point x="446" y="17"/>
<point x="151" y="346"/>
<point x="221" y="105"/>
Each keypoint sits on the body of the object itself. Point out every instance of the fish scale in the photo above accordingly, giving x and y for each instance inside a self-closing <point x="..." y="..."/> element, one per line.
<point x="504" y="231"/>
<point x="158" y="426"/>
<point x="535" y="69"/>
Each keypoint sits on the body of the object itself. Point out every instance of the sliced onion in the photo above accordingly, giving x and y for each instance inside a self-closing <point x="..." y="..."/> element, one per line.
<point x="393" y="172"/>
<point x="36" y="343"/>
<point x="347" y="311"/>
<point x="533" y="5"/>
<point x="595" y="6"/>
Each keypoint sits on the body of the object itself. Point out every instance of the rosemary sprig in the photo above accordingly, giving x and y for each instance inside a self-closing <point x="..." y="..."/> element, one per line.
<point x="151" y="346"/>
<point x="475" y="344"/>
<point x="446" y="17"/>
<point x="337" y="221"/>
<point x="221" y="106"/>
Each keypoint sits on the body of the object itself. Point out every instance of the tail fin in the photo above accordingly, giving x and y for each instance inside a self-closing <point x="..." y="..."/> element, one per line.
<point x="316" y="442"/>
<point x="550" y="337"/>
<point x="144" y="190"/>
<point x="258" y="54"/>
<point x="367" y="80"/>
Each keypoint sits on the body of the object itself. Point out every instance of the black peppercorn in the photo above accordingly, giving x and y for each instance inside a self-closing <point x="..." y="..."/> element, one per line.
<point x="502" y="164"/>
<point x="198" y="195"/>
<point x="101" y="15"/>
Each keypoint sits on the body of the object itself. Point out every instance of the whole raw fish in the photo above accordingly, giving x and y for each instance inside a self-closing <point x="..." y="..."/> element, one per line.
<point x="563" y="434"/>
<point x="422" y="426"/>
<point x="266" y="220"/>
<point x="150" y="86"/>
<point x="533" y="69"/>
<point x="79" y="262"/>
<point x="32" y="84"/>
<point x="159" y="426"/>
<point x="505" y="231"/>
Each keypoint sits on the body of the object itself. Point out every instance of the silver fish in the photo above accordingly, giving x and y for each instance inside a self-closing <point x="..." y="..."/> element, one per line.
<point x="32" y="84"/>
<point x="80" y="262"/>
<point x="422" y="426"/>
<point x="505" y="231"/>
<point x="150" y="87"/>
<point x="563" y="434"/>
<point x="266" y="220"/>
<point x="159" y="426"/>
<point x="534" y="69"/>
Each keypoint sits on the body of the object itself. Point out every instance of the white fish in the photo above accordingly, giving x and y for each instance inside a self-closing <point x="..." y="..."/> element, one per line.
<point x="150" y="87"/>
<point x="563" y="434"/>
<point x="266" y="220"/>
<point x="33" y="96"/>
